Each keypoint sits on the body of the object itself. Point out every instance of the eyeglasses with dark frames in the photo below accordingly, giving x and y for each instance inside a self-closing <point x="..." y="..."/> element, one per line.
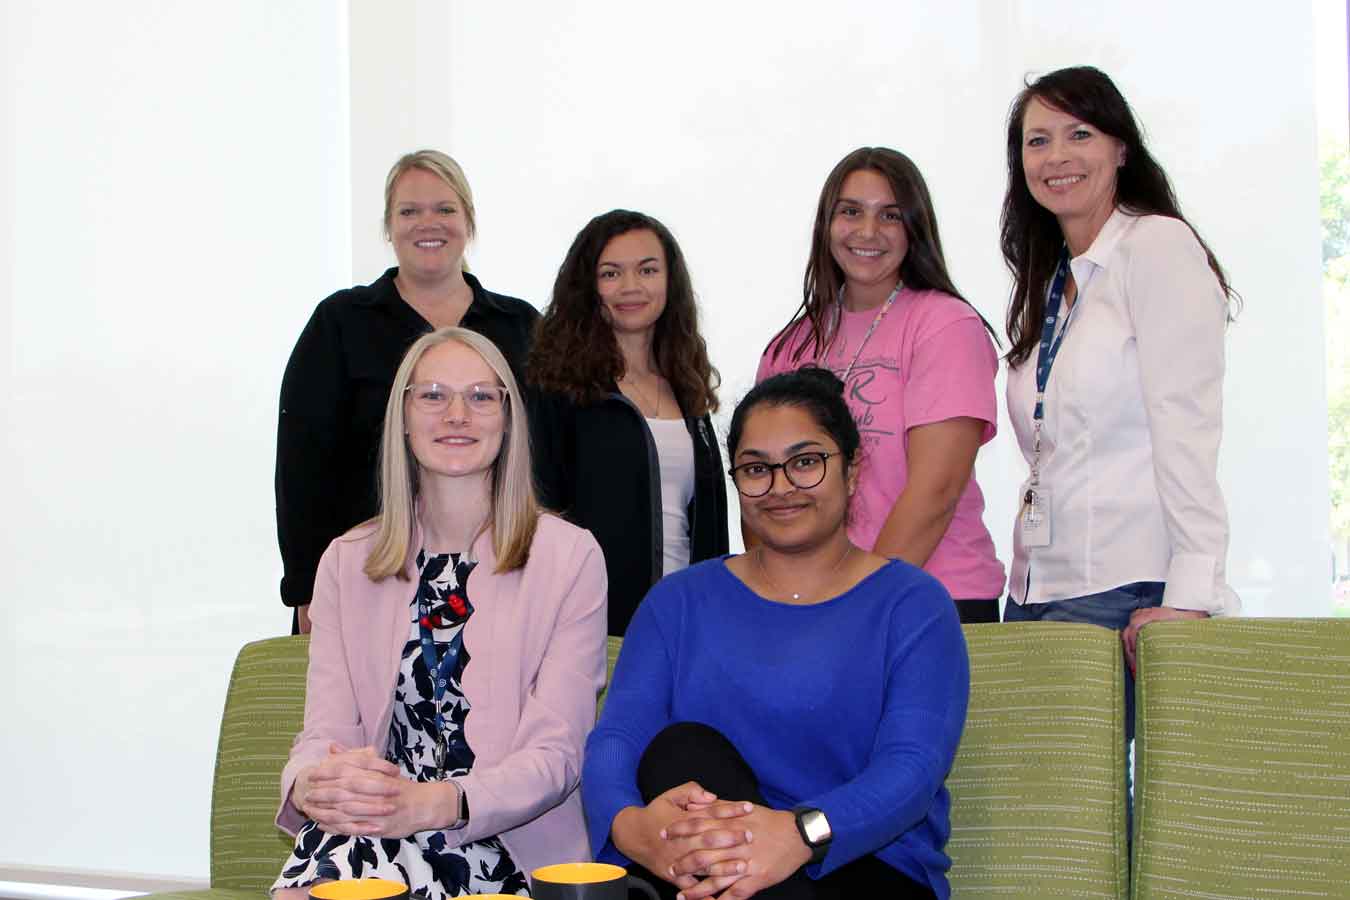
<point x="434" y="398"/>
<point x="802" y="470"/>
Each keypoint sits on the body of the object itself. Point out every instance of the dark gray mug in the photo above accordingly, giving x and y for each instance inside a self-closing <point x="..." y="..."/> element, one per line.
<point x="586" y="881"/>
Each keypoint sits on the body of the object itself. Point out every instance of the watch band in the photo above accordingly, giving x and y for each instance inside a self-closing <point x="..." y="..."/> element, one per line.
<point x="815" y="831"/>
<point x="463" y="808"/>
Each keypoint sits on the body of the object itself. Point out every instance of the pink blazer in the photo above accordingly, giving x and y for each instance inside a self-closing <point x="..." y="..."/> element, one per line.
<point x="537" y="662"/>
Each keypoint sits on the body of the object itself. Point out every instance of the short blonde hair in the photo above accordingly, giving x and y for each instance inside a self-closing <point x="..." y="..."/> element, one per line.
<point x="515" y="511"/>
<point x="444" y="168"/>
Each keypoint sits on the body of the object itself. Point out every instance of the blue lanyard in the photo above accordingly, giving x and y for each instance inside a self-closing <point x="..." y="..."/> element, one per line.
<point x="1045" y="358"/>
<point x="1049" y="349"/>
<point x="440" y="673"/>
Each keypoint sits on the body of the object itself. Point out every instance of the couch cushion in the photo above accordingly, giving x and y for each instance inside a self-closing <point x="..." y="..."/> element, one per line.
<point x="264" y="711"/>
<point x="1243" y="759"/>
<point x="1038" y="787"/>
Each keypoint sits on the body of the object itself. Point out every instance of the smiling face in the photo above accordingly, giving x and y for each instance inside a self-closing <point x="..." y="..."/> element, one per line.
<point x="867" y="237"/>
<point x="456" y="442"/>
<point x="427" y="225"/>
<point x="788" y="517"/>
<point x="1071" y="170"/>
<point x="630" y="277"/>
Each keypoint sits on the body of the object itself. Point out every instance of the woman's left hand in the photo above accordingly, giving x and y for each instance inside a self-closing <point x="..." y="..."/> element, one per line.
<point x="417" y="806"/>
<point x="1141" y="617"/>
<point x="774" y="852"/>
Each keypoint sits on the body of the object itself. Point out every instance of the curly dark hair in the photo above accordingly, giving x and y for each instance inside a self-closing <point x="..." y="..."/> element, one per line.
<point x="1030" y="234"/>
<point x="923" y="268"/>
<point x="817" y="391"/>
<point x="575" y="352"/>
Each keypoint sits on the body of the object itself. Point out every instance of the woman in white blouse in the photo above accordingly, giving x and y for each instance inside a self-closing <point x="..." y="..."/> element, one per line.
<point x="1117" y="327"/>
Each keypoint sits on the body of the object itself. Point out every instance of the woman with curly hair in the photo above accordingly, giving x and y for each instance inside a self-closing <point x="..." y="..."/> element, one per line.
<point x="622" y="391"/>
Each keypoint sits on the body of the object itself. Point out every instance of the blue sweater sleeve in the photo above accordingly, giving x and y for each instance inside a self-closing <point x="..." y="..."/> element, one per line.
<point x="637" y="708"/>
<point x="927" y="689"/>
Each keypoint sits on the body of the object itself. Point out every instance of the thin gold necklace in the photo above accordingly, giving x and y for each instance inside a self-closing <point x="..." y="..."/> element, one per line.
<point x="796" y="597"/>
<point x="642" y="395"/>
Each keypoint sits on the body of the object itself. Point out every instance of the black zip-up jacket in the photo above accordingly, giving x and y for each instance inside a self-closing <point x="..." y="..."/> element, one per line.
<point x="596" y="465"/>
<point x="333" y="397"/>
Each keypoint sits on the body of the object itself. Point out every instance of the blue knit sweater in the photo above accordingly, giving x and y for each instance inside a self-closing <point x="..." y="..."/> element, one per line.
<point x="853" y="706"/>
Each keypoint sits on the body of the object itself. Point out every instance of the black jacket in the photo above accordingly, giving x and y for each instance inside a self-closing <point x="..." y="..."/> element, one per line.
<point x="333" y="397"/>
<point x="597" y="466"/>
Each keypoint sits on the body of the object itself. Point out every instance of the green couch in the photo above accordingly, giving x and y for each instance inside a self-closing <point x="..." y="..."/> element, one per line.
<point x="1242" y="760"/>
<point x="1243" y="771"/>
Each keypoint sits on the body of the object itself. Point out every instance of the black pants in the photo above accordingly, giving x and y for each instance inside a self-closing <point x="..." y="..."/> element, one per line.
<point x="975" y="612"/>
<point x="691" y="751"/>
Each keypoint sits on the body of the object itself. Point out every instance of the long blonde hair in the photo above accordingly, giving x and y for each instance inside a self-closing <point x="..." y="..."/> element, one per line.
<point x="515" y="512"/>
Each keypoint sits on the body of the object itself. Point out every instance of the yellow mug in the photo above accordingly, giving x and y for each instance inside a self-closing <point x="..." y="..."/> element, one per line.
<point x="360" y="889"/>
<point x="586" y="881"/>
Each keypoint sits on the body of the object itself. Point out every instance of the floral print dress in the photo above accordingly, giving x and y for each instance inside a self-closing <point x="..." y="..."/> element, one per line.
<point x="429" y="862"/>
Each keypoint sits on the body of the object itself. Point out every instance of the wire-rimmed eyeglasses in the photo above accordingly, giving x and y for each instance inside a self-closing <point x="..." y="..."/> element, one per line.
<point x="433" y="397"/>
<point x="803" y="470"/>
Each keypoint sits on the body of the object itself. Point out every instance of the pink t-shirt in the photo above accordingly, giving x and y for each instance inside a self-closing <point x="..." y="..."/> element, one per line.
<point x="929" y="360"/>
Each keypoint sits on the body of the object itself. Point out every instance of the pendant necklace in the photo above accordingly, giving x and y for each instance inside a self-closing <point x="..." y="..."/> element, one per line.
<point x="796" y="596"/>
<point x="642" y="395"/>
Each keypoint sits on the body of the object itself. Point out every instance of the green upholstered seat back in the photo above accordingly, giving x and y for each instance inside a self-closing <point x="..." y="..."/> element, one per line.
<point x="612" y="652"/>
<point x="264" y="710"/>
<point x="1243" y="759"/>
<point x="1038" y="802"/>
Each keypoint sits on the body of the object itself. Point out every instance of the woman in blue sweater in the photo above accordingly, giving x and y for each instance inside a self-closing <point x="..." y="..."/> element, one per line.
<point x="780" y="722"/>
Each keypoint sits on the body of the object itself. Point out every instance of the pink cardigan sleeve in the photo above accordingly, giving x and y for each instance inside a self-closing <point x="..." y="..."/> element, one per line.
<point x="558" y="713"/>
<point x="330" y="699"/>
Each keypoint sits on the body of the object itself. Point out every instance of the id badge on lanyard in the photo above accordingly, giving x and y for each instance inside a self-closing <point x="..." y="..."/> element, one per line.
<point x="1035" y="515"/>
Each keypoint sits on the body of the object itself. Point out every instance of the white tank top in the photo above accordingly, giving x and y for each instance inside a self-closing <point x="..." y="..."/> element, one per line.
<point x="675" y="452"/>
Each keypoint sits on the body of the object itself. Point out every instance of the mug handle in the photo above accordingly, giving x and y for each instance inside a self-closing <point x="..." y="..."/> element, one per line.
<point x="641" y="885"/>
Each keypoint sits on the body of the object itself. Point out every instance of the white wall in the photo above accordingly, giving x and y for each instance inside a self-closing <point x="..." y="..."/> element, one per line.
<point x="724" y="121"/>
<point x="184" y="182"/>
<point x="177" y="183"/>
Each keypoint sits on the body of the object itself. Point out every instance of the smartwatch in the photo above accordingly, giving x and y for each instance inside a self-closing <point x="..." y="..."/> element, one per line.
<point x="815" y="831"/>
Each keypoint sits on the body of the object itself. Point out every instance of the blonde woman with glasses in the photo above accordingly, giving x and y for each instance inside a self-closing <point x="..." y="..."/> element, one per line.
<point x="457" y="649"/>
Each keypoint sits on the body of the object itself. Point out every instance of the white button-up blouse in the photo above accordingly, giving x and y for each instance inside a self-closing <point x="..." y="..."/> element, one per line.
<point x="1133" y="417"/>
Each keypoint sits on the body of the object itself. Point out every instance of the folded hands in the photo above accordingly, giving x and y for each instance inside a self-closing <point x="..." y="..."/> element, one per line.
<point x="709" y="847"/>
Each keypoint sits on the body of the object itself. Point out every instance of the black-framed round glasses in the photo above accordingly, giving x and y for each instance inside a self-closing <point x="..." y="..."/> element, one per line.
<point x="804" y="470"/>
<point x="433" y="397"/>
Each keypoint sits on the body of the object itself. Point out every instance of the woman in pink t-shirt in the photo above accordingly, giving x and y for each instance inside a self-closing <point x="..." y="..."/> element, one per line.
<point x="880" y="311"/>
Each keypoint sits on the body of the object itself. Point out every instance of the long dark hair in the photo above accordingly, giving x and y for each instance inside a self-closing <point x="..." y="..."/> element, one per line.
<point x="575" y="351"/>
<point x="1030" y="235"/>
<point x="923" y="268"/>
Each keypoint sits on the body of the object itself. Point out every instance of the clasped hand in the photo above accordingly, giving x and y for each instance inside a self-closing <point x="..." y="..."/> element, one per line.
<point x="358" y="792"/>
<point x="735" y="847"/>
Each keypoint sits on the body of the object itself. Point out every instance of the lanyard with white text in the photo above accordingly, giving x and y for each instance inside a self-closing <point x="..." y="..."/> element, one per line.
<point x="876" y="320"/>
<point x="1045" y="357"/>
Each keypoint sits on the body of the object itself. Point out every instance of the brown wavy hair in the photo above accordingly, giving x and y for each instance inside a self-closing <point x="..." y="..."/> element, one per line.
<point x="575" y="352"/>
<point x="1031" y="238"/>
<point x="924" y="268"/>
